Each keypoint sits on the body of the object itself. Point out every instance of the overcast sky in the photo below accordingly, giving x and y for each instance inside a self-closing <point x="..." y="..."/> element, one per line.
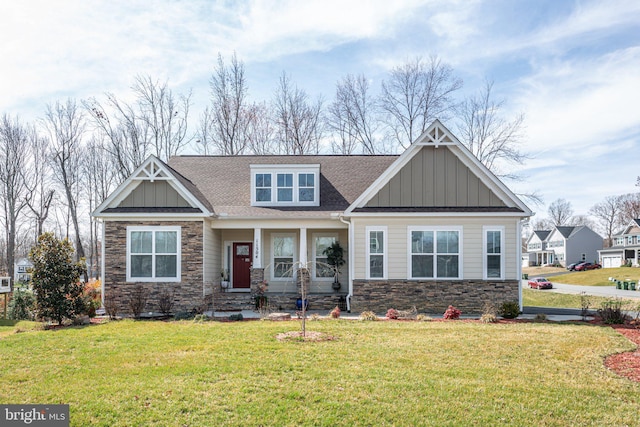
<point x="573" y="67"/>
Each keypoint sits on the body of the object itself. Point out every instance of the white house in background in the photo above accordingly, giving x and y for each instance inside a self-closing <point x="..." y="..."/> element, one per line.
<point x="21" y="270"/>
<point x="537" y="253"/>
<point x="564" y="245"/>
<point x="626" y="247"/>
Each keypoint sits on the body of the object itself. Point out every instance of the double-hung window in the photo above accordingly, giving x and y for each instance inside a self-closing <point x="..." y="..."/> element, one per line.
<point x="283" y="252"/>
<point x="493" y="254"/>
<point x="306" y="187"/>
<point x="263" y="187"/>
<point x="153" y="254"/>
<point x="435" y="252"/>
<point x="322" y="269"/>
<point x="285" y="187"/>
<point x="376" y="252"/>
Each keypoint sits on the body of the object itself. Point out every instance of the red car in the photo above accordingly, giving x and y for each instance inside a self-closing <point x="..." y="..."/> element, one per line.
<point x="540" y="283"/>
<point x="587" y="266"/>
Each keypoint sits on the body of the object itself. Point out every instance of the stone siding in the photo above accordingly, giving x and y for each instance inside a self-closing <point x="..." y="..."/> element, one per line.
<point x="188" y="292"/>
<point x="233" y="301"/>
<point x="432" y="297"/>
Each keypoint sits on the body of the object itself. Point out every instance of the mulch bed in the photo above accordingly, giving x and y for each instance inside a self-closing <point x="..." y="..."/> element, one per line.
<point x="626" y="364"/>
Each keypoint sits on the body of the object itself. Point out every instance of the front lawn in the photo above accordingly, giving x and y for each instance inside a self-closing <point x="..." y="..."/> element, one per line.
<point x="599" y="277"/>
<point x="547" y="298"/>
<point x="373" y="373"/>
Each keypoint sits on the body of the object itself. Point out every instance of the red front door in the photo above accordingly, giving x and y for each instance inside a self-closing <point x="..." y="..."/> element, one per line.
<point x="242" y="254"/>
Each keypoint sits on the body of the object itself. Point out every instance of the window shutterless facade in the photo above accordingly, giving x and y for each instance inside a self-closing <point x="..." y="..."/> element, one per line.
<point x="435" y="252"/>
<point x="285" y="185"/>
<point x="153" y="254"/>
<point x="376" y="252"/>
<point x="493" y="252"/>
<point x="282" y="256"/>
<point x="321" y="269"/>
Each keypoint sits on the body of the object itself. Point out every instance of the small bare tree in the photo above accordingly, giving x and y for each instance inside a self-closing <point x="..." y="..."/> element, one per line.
<point x="608" y="214"/>
<point x="298" y="122"/>
<point x="40" y="192"/>
<point x="415" y="94"/>
<point x="560" y="212"/>
<point x="630" y="207"/>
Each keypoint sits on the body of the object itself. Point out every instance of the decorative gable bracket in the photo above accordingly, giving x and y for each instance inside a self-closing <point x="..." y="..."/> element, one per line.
<point x="150" y="172"/>
<point x="436" y="136"/>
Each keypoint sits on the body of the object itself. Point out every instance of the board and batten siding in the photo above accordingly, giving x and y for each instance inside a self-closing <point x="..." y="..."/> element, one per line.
<point x="154" y="194"/>
<point x="435" y="177"/>
<point x="472" y="240"/>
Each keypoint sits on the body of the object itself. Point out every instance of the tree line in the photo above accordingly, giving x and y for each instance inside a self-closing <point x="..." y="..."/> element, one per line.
<point x="56" y="170"/>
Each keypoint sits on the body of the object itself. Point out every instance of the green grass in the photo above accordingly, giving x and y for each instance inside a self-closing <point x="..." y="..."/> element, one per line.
<point x="545" y="298"/>
<point x="374" y="373"/>
<point x="599" y="277"/>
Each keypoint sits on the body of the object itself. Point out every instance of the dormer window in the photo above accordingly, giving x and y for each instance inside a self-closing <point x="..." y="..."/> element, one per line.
<point x="285" y="185"/>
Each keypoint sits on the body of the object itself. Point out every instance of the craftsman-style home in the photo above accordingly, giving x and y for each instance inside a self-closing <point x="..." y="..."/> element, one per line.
<point x="427" y="228"/>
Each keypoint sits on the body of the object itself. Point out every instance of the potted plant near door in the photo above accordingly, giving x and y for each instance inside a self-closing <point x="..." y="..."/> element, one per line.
<point x="335" y="258"/>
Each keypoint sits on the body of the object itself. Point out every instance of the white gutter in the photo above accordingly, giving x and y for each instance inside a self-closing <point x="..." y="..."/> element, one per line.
<point x="351" y="261"/>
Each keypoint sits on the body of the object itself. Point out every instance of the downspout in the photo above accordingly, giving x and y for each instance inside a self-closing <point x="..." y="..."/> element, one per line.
<point x="519" y="260"/>
<point x="351" y="255"/>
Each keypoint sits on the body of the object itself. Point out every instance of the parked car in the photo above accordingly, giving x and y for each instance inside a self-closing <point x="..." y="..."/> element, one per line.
<point x="540" y="283"/>
<point x="587" y="266"/>
<point x="572" y="267"/>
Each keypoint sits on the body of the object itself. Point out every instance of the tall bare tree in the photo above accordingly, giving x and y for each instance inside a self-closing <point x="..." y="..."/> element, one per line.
<point x="40" y="192"/>
<point x="353" y="117"/>
<point x="415" y="94"/>
<point x="298" y="121"/>
<point x="66" y="126"/>
<point x="15" y="139"/>
<point x="155" y="123"/>
<point x="560" y="212"/>
<point x="261" y="130"/>
<point x="608" y="215"/>
<point x="494" y="140"/>
<point x="224" y="123"/>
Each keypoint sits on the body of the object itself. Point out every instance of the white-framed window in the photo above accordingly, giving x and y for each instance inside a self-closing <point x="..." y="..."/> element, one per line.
<point x="321" y="269"/>
<point x="262" y="182"/>
<point x="376" y="252"/>
<point x="493" y="252"/>
<point x="285" y="185"/>
<point x="283" y="250"/>
<point x="153" y="254"/>
<point x="435" y="252"/>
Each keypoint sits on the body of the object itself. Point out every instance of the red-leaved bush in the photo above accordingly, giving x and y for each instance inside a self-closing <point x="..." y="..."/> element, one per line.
<point x="335" y="313"/>
<point x="452" y="313"/>
<point x="392" y="313"/>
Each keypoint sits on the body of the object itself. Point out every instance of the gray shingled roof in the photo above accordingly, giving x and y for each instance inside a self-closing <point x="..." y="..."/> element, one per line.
<point x="225" y="181"/>
<point x="542" y="234"/>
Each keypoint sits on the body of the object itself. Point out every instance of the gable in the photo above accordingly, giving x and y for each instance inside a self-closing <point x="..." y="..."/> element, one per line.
<point x="435" y="177"/>
<point x="154" y="194"/>
<point x="154" y="189"/>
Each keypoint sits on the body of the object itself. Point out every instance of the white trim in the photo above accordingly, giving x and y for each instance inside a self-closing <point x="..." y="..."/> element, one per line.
<point x="519" y="264"/>
<point x="132" y="182"/>
<point x="153" y="229"/>
<point x="385" y="251"/>
<point x="295" y="171"/>
<point x="485" y="230"/>
<point x="434" y="214"/>
<point x="102" y="263"/>
<point x="314" y="255"/>
<point x="294" y="254"/>
<point x="458" y="149"/>
<point x="457" y="228"/>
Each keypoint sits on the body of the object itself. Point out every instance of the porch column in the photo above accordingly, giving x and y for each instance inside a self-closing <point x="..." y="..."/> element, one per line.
<point x="257" y="248"/>
<point x="302" y="257"/>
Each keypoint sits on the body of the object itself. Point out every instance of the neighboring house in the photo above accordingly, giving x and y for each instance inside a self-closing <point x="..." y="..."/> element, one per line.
<point x="537" y="248"/>
<point x="564" y="245"/>
<point x="21" y="270"/>
<point x="428" y="228"/>
<point x="625" y="249"/>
